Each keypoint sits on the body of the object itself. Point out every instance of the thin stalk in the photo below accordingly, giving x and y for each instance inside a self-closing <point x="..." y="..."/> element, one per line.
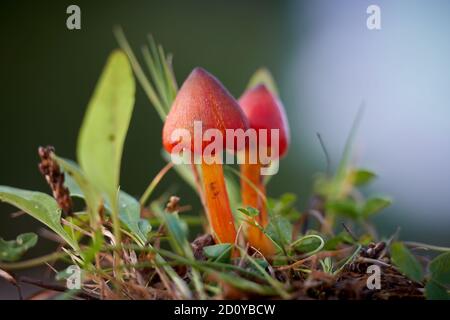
<point x="338" y="189"/>
<point x="35" y="262"/>
<point x="350" y="259"/>
<point x="168" y="71"/>
<point x="419" y="245"/>
<point x="310" y="236"/>
<point x="219" y="213"/>
<point x="151" y="187"/>
<point x="273" y="282"/>
<point x="116" y="231"/>
<point x="157" y="77"/>
<point x="180" y="260"/>
<point x="115" y="217"/>
<point x="213" y="267"/>
<point x="180" y="243"/>
<point x="253" y="192"/>
<point x="140" y="75"/>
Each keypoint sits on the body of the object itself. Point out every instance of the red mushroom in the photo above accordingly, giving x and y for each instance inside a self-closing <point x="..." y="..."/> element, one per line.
<point x="263" y="111"/>
<point x="203" y="98"/>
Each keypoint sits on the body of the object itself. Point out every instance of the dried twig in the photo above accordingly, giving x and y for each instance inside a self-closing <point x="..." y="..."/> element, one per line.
<point x="55" y="287"/>
<point x="55" y="178"/>
<point x="8" y="277"/>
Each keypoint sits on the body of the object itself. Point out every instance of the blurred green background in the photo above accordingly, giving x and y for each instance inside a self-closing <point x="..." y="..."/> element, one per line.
<point x="48" y="74"/>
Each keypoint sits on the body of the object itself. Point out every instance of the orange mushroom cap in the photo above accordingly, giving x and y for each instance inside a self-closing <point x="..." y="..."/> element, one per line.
<point x="265" y="111"/>
<point x="202" y="98"/>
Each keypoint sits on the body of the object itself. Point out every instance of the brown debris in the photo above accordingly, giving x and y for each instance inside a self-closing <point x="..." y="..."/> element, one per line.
<point x="373" y="250"/>
<point x="55" y="178"/>
<point x="199" y="243"/>
<point x="351" y="285"/>
<point x="394" y="286"/>
<point x="173" y="204"/>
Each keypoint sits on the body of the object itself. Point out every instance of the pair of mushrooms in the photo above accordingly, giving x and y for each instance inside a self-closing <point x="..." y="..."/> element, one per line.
<point x="203" y="98"/>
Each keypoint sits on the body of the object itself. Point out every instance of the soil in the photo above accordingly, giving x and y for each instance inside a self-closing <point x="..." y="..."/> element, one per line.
<point x="350" y="284"/>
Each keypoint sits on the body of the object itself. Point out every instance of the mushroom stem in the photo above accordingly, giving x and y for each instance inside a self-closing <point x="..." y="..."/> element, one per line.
<point x="252" y="192"/>
<point x="219" y="213"/>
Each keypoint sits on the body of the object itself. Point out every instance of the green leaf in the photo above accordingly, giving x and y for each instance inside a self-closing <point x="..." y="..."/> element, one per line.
<point x="440" y="268"/>
<point x="362" y="176"/>
<point x="308" y="244"/>
<point x="177" y="229"/>
<point x="105" y="125"/>
<point x="249" y="211"/>
<point x="435" y="291"/>
<point x="406" y="262"/>
<point x="375" y="205"/>
<point x="263" y="76"/>
<point x="218" y="252"/>
<point x="341" y="238"/>
<point x="344" y="207"/>
<point x="130" y="216"/>
<point x="287" y="200"/>
<point x="12" y="250"/>
<point x="283" y="205"/>
<point x="279" y="230"/>
<point x="40" y="206"/>
<point x="327" y="265"/>
<point x="257" y="266"/>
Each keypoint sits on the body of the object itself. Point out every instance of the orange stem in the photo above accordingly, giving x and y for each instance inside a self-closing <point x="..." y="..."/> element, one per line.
<point x="219" y="213"/>
<point x="250" y="184"/>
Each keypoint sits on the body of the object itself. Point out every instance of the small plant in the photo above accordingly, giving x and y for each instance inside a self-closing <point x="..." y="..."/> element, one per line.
<point x="264" y="111"/>
<point x="141" y="249"/>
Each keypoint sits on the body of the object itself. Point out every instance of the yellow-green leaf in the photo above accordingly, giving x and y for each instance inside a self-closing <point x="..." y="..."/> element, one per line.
<point x="105" y="125"/>
<point x="263" y="76"/>
<point x="374" y="205"/>
<point x="362" y="176"/>
<point x="343" y="207"/>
